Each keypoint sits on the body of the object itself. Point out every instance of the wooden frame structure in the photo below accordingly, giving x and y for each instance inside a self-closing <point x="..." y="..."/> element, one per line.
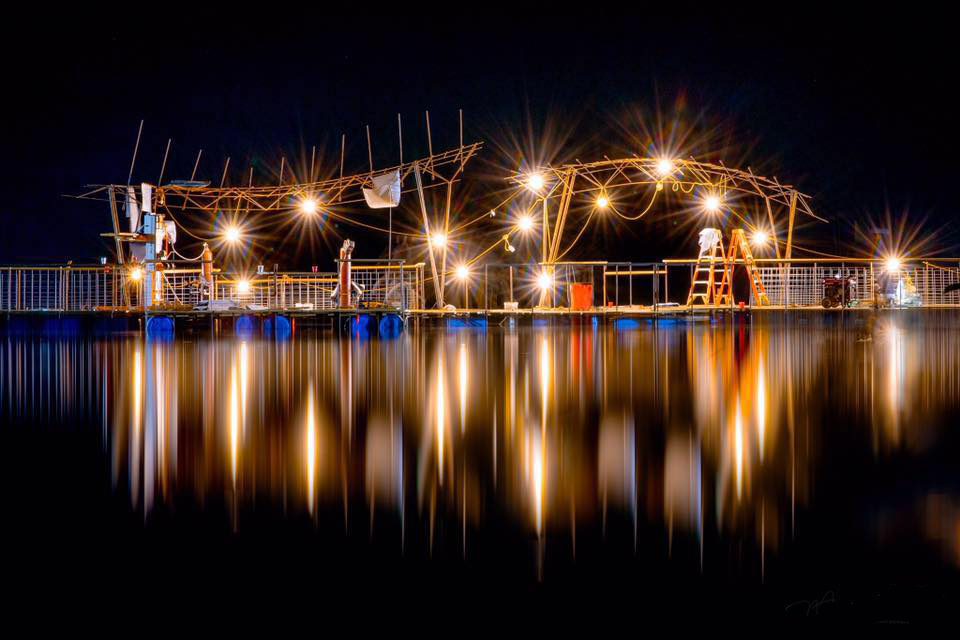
<point x="564" y="182"/>
<point x="443" y="169"/>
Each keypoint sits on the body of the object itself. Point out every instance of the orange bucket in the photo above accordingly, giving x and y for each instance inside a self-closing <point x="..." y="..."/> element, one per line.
<point x="581" y="297"/>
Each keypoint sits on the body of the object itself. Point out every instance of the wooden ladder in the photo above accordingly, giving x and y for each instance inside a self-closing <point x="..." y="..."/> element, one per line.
<point x="703" y="288"/>
<point x="738" y="240"/>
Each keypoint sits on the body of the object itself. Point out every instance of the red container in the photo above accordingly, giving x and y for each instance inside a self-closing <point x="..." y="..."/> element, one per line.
<point x="581" y="297"/>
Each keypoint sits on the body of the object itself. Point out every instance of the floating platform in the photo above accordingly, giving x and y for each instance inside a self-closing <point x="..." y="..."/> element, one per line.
<point x="387" y="322"/>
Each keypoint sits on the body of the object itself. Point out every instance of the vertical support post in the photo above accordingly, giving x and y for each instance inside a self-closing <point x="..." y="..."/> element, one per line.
<point x="116" y="223"/>
<point x="446" y="234"/>
<point x="426" y="225"/>
<point x="369" y="149"/>
<point x="603" y="301"/>
<point x="666" y="283"/>
<point x="545" y="230"/>
<point x="773" y="228"/>
<point x="789" y="250"/>
<point x="486" y="278"/>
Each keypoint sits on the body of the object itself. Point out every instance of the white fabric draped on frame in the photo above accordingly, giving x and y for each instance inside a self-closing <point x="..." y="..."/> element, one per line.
<point x="385" y="192"/>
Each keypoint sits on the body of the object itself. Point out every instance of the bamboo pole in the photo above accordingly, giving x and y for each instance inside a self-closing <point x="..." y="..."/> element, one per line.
<point x="164" y="165"/>
<point x="426" y="224"/>
<point x="136" y="147"/>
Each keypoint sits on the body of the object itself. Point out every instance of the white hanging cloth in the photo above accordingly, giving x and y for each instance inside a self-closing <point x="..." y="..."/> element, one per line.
<point x="385" y="192"/>
<point x="709" y="238"/>
<point x="133" y="209"/>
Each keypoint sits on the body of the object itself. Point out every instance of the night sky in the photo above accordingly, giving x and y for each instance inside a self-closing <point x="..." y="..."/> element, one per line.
<point x="860" y="114"/>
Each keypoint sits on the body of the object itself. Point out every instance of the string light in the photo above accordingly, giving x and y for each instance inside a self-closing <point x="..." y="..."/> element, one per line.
<point x="232" y="234"/>
<point x="602" y="202"/>
<point x="463" y="272"/>
<point x="535" y="182"/>
<point x="664" y="167"/>
<point x="711" y="203"/>
<point x="525" y="223"/>
<point x="439" y="240"/>
<point x="759" y="238"/>
<point x="308" y="206"/>
<point x="544" y="280"/>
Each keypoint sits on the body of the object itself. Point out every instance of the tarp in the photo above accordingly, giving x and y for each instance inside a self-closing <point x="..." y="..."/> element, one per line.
<point x="146" y="203"/>
<point x="385" y="192"/>
<point x="709" y="238"/>
<point x="133" y="210"/>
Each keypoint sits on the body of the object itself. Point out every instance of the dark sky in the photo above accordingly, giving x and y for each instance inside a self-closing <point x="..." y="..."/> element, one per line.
<point x="858" y="113"/>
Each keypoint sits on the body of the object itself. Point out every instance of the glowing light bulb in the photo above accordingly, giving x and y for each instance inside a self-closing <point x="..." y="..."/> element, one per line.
<point x="759" y="238"/>
<point x="602" y="202"/>
<point x="308" y="206"/>
<point x="243" y="286"/>
<point x="664" y="167"/>
<point x="893" y="264"/>
<point x="535" y="182"/>
<point x="232" y="234"/>
<point x="544" y="280"/>
<point x="439" y="240"/>
<point x="136" y="274"/>
<point x="711" y="204"/>
<point x="525" y="223"/>
<point x="463" y="272"/>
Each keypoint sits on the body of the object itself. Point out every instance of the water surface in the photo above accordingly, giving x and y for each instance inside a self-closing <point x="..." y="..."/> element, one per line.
<point x="790" y="466"/>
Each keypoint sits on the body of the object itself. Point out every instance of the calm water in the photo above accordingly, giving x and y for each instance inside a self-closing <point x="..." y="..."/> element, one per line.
<point x="792" y="467"/>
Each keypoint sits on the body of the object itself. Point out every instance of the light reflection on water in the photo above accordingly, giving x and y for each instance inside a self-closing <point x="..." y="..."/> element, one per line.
<point x="696" y="429"/>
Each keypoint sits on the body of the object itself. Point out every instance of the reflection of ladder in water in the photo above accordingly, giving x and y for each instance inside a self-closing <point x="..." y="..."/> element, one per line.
<point x="703" y="288"/>
<point x="738" y="240"/>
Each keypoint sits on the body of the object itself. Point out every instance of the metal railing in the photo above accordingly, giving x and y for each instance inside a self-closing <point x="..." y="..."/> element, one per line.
<point x="391" y="286"/>
<point x="108" y="287"/>
<point x="801" y="283"/>
<point x="910" y="285"/>
<point x="61" y="288"/>
<point x="397" y="286"/>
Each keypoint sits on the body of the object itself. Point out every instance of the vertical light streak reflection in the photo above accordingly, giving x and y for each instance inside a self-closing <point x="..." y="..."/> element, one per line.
<point x="234" y="425"/>
<point x="761" y="407"/>
<point x="136" y="428"/>
<point x="440" y="416"/>
<point x="895" y="380"/>
<point x="537" y="477"/>
<point x="544" y="382"/>
<point x="311" y="451"/>
<point x="539" y="452"/>
<point x="738" y="448"/>
<point x="463" y="386"/>
<point x="159" y="364"/>
<point x="243" y="386"/>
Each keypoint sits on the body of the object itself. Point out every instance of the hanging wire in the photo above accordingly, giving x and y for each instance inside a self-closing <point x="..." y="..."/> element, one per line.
<point x="642" y="213"/>
<point x="484" y="215"/>
<point x="370" y="226"/>
<point x="183" y="257"/>
<point x="580" y="233"/>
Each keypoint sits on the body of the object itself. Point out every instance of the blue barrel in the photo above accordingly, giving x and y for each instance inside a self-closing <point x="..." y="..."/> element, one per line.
<point x="361" y="326"/>
<point x="160" y="327"/>
<point x="391" y="326"/>
<point x="245" y="326"/>
<point x="277" y="327"/>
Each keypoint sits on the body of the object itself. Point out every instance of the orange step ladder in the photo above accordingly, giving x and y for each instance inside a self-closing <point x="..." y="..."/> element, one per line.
<point x="703" y="289"/>
<point x="724" y="296"/>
